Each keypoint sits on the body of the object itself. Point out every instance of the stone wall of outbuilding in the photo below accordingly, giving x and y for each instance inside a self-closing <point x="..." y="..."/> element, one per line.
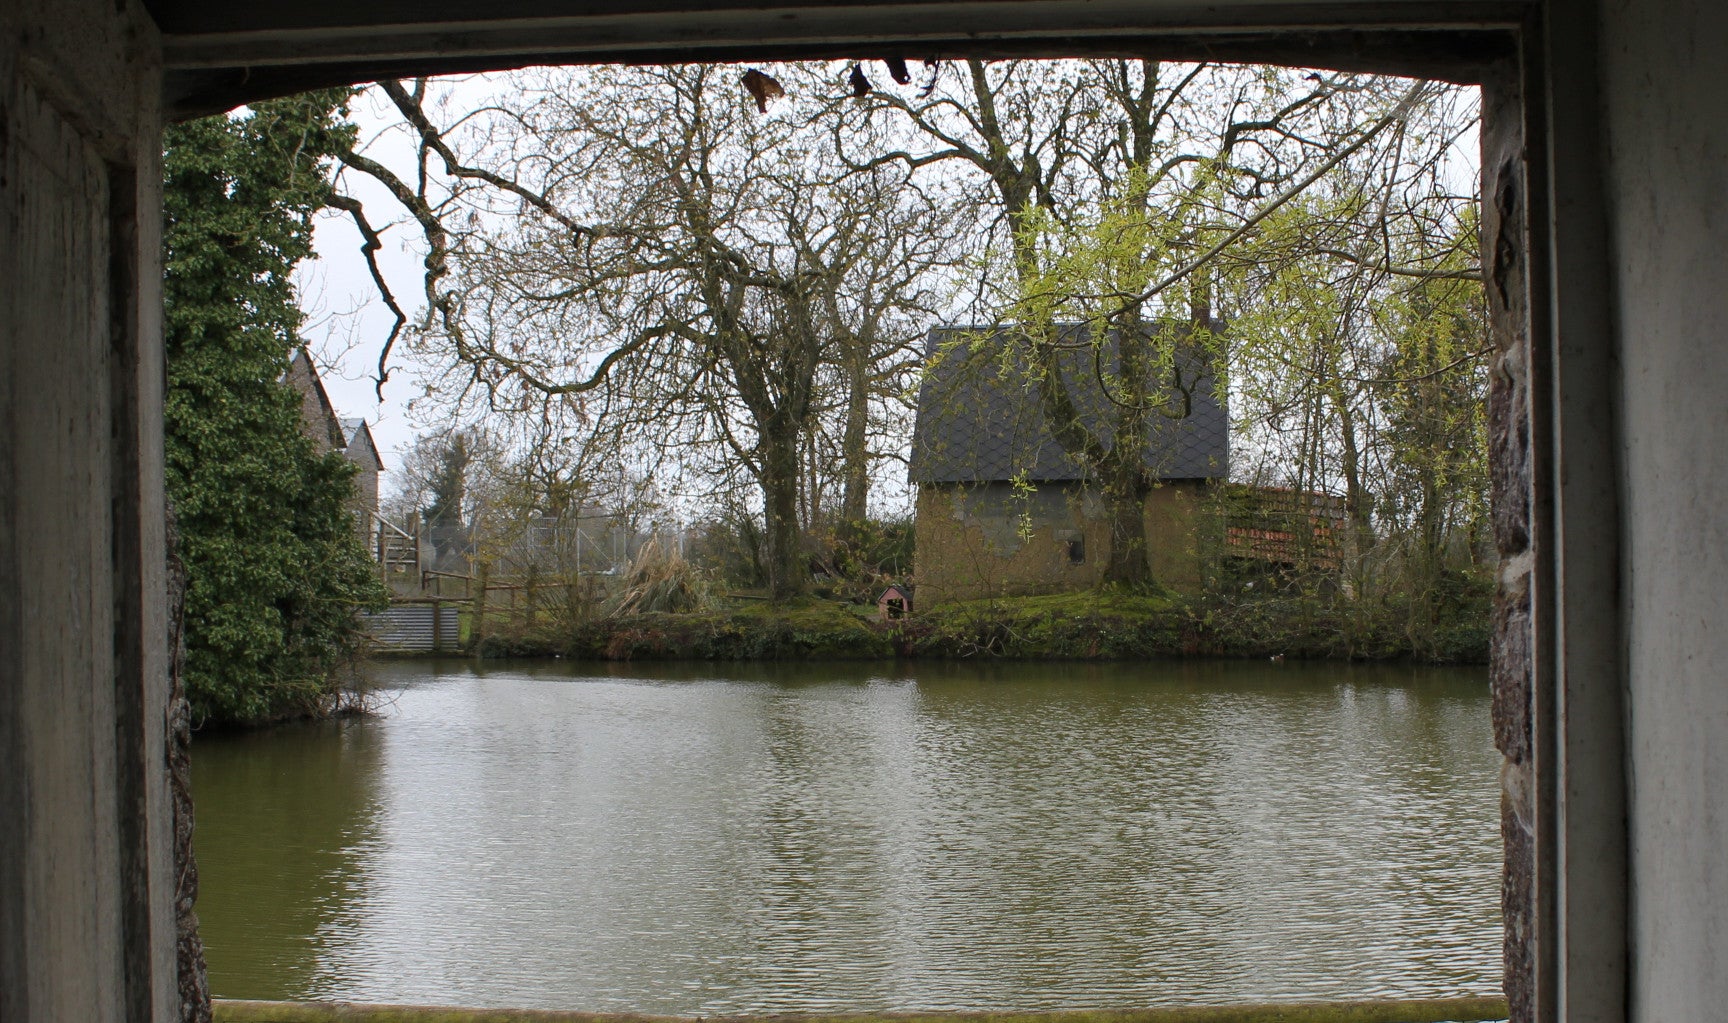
<point x="997" y="540"/>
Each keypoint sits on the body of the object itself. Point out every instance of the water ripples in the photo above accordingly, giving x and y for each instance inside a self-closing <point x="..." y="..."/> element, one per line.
<point x="828" y="838"/>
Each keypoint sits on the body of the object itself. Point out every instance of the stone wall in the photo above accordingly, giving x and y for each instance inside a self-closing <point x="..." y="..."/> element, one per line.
<point x="992" y="540"/>
<point x="1505" y="247"/>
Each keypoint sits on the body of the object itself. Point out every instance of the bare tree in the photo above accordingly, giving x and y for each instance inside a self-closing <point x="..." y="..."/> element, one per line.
<point x="1121" y="190"/>
<point x="640" y="264"/>
<point x="671" y="260"/>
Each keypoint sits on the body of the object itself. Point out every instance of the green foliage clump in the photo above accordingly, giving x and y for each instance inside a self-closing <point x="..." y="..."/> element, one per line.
<point x="731" y="547"/>
<point x="274" y="569"/>
<point x="1124" y="623"/>
<point x="863" y="556"/>
<point x="449" y="482"/>
<point x="1110" y="623"/>
<point x="1448" y="624"/>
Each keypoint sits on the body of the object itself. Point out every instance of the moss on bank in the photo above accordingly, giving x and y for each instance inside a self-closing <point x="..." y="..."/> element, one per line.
<point x="1088" y="625"/>
<point x="806" y="628"/>
<point x="1433" y="1010"/>
<point x="1101" y="624"/>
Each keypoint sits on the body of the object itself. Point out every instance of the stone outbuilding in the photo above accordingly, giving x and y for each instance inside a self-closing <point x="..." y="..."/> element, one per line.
<point x="318" y="419"/>
<point x="359" y="448"/>
<point x="1003" y="509"/>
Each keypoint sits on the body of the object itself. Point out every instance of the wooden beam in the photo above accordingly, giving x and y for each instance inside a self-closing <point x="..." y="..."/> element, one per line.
<point x="211" y="70"/>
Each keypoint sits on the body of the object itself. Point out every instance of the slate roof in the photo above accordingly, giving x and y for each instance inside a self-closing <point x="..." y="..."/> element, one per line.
<point x="981" y="420"/>
<point x="354" y="433"/>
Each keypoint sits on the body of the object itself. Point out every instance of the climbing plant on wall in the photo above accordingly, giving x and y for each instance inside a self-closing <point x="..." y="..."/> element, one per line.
<point x="275" y="573"/>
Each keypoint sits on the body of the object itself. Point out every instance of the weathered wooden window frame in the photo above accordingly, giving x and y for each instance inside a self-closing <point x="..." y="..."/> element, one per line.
<point x="1558" y="670"/>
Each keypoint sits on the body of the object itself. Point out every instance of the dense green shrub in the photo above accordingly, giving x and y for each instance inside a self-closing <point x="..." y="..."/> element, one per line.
<point x="1104" y="624"/>
<point x="275" y="572"/>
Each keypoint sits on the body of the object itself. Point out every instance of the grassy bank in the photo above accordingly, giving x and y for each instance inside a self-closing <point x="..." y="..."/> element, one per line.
<point x="756" y="630"/>
<point x="1089" y="625"/>
<point x="1439" y="1010"/>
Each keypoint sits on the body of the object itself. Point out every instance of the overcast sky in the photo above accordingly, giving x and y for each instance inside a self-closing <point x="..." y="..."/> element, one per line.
<point x="347" y="323"/>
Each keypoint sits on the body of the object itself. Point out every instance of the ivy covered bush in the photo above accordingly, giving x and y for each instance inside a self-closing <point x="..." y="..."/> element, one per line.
<point x="275" y="572"/>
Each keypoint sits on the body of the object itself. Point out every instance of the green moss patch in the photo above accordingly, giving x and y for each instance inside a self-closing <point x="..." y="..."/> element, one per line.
<point x="1092" y="624"/>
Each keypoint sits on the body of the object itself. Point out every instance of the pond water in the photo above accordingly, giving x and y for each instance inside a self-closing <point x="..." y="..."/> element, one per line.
<point x="705" y="840"/>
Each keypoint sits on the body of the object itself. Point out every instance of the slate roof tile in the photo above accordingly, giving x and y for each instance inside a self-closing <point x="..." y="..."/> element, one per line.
<point x="980" y="418"/>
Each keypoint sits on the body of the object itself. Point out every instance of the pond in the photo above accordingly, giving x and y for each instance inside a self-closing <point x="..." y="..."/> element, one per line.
<point x="712" y="839"/>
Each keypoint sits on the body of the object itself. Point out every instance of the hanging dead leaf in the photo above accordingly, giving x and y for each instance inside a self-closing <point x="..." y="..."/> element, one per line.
<point x="897" y="71"/>
<point x="935" y="69"/>
<point x="762" y="88"/>
<point x="860" y="84"/>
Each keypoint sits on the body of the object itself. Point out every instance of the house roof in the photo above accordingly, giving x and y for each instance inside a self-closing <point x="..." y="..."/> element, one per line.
<point x="303" y="377"/>
<point x="357" y="443"/>
<point x="980" y="418"/>
<point x="349" y="435"/>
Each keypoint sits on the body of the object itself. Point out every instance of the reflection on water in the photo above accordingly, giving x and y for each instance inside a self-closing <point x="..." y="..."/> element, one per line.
<point x="282" y="823"/>
<point x="704" y="840"/>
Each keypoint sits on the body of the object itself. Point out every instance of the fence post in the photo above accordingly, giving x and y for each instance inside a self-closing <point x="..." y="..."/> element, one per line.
<point x="477" y="628"/>
<point x="532" y="579"/>
<point x="437" y="626"/>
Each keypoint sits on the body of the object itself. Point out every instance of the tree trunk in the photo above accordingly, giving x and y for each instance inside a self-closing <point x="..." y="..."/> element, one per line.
<point x="1357" y="503"/>
<point x="1122" y="468"/>
<point x="786" y="574"/>
<point x="854" y="443"/>
<point x="1433" y="528"/>
<point x="1128" y="565"/>
<point x="1126" y="488"/>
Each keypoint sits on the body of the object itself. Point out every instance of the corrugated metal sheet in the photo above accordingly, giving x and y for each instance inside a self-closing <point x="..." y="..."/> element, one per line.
<point x="408" y="627"/>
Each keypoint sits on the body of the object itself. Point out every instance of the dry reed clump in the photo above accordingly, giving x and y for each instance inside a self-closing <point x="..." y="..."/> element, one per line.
<point x="660" y="580"/>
